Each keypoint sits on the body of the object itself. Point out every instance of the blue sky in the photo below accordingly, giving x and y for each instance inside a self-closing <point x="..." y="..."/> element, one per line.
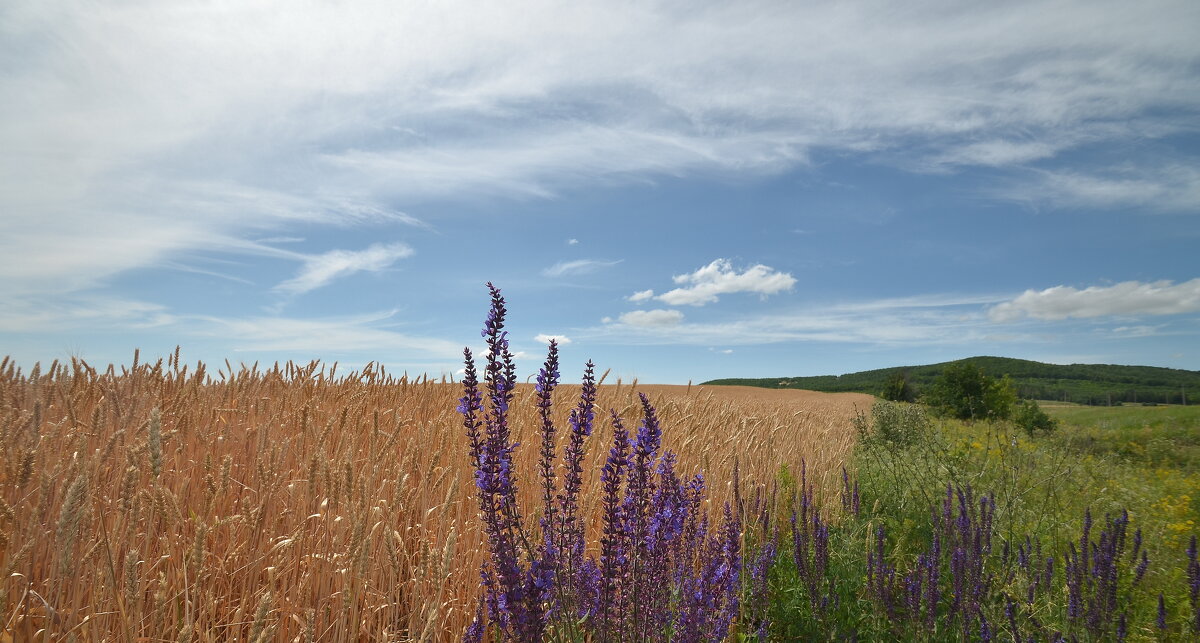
<point x="681" y="191"/>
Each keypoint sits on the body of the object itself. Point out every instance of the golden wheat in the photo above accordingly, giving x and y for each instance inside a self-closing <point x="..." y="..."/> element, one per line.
<point x="291" y="504"/>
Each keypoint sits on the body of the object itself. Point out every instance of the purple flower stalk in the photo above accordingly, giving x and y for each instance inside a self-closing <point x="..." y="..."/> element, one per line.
<point x="515" y="593"/>
<point x="659" y="571"/>
<point x="613" y="559"/>
<point x="810" y="544"/>
<point x="568" y="532"/>
<point x="759" y="590"/>
<point x="636" y="512"/>
<point x="547" y="380"/>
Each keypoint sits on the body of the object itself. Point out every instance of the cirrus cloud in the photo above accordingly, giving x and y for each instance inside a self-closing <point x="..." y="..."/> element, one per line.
<point x="344" y="108"/>
<point x="1125" y="298"/>
<point x="577" y="267"/>
<point x="321" y="269"/>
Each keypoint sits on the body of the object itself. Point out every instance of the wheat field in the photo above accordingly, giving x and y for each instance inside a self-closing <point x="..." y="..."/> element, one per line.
<point x="166" y="502"/>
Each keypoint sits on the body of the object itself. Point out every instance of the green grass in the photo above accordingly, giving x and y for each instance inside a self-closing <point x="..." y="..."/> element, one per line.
<point x="1152" y="436"/>
<point x="1107" y="459"/>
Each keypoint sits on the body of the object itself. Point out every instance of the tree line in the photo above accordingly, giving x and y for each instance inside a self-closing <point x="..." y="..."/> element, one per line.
<point x="1093" y="384"/>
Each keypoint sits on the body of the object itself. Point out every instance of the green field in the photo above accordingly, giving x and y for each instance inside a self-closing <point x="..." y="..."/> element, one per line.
<point x="1161" y="435"/>
<point x="1144" y="460"/>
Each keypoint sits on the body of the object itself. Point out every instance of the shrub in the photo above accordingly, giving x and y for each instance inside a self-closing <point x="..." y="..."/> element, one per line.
<point x="893" y="424"/>
<point x="1032" y="419"/>
<point x="965" y="392"/>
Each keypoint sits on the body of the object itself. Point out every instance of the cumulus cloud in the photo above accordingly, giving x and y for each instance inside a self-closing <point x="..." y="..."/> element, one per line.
<point x="545" y="339"/>
<point x="321" y="269"/>
<point x="651" y="318"/>
<point x="572" y="242"/>
<point x="720" y="278"/>
<point x="577" y="267"/>
<point x="641" y="295"/>
<point x="1125" y="298"/>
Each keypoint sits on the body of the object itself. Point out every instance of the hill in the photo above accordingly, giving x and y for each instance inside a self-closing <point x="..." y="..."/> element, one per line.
<point x="1094" y="384"/>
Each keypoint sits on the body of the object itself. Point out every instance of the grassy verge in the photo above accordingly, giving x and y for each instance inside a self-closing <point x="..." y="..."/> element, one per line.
<point x="977" y="531"/>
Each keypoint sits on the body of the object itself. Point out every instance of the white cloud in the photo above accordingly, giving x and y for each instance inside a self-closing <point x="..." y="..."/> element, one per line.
<point x="324" y="336"/>
<point x="651" y="318"/>
<point x="321" y="269"/>
<point x="999" y="152"/>
<point x="1125" y="298"/>
<point x="545" y="339"/>
<point x="67" y="243"/>
<point x="920" y="320"/>
<point x="720" y="278"/>
<point x="577" y="267"/>
<point x="337" y="111"/>
<point x="1137" y="331"/>
<point x="572" y="242"/>
<point x="370" y="335"/>
<point x="35" y="314"/>
<point x="1162" y="187"/>
<point x="641" y="295"/>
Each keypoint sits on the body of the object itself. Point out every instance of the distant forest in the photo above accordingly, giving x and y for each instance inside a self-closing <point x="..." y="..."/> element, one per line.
<point x="1094" y="384"/>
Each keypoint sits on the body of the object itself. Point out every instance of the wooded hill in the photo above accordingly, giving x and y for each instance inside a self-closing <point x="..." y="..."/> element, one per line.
<point x="1096" y="384"/>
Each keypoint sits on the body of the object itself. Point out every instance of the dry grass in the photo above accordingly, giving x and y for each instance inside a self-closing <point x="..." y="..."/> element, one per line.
<point x="161" y="502"/>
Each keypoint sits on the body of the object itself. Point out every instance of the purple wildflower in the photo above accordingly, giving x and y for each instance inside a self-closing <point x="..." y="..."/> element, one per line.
<point x="758" y="585"/>
<point x="1010" y="613"/>
<point x="660" y="569"/>
<point x="475" y="631"/>
<point x="1141" y="568"/>
<point x="613" y="557"/>
<point x="569" y="534"/>
<point x="547" y="380"/>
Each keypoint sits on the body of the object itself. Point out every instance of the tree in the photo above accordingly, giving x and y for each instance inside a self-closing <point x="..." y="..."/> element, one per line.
<point x="898" y="389"/>
<point x="965" y="392"/>
<point x="1032" y="419"/>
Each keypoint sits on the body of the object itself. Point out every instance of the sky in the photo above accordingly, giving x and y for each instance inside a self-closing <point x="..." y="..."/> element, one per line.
<point x="679" y="191"/>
